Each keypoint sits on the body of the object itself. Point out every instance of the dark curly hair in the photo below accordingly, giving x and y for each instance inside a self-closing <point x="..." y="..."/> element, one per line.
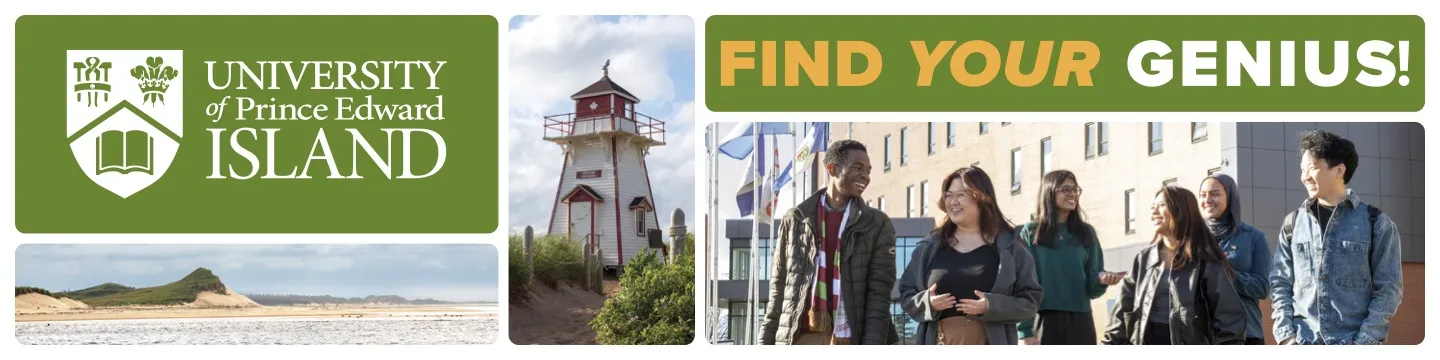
<point x="840" y="150"/>
<point x="1335" y="150"/>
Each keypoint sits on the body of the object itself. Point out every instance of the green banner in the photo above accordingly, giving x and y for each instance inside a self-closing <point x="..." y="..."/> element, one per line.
<point x="256" y="124"/>
<point x="1085" y="63"/>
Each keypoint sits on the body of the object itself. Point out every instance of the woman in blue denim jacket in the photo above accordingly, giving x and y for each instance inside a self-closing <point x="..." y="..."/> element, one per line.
<point x="1243" y="245"/>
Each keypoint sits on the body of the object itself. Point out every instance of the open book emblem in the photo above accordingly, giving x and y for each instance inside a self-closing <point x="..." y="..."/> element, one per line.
<point x="124" y="127"/>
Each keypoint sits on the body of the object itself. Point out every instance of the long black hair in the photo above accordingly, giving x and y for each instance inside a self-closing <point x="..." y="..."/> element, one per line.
<point x="992" y="221"/>
<point x="1047" y="223"/>
<point x="1193" y="241"/>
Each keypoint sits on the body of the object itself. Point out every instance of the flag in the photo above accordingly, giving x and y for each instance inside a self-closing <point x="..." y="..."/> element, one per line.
<point x="815" y="141"/>
<point x="770" y="197"/>
<point x="739" y="144"/>
<point x="745" y="196"/>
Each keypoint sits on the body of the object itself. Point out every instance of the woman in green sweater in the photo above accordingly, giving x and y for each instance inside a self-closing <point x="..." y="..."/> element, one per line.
<point x="1069" y="264"/>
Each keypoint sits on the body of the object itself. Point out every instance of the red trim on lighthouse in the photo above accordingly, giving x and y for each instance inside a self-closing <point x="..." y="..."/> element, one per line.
<point x="615" y="175"/>
<point x="651" y="190"/>
<point x="555" y="206"/>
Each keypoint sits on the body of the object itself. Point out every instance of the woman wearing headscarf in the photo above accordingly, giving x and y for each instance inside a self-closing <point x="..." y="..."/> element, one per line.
<point x="1244" y="246"/>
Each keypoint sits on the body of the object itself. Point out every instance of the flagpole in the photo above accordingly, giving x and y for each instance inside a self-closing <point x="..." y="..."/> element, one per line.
<point x="711" y="218"/>
<point x="755" y="244"/>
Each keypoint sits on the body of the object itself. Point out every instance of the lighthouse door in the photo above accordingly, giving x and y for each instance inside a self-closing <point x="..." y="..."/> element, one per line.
<point x="582" y="222"/>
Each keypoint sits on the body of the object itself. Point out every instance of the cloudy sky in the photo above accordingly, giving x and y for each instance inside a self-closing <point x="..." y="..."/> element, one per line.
<point x="441" y="272"/>
<point x="551" y="58"/>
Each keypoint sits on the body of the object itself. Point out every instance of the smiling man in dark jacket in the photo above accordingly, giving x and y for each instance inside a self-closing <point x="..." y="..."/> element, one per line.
<point x="834" y="263"/>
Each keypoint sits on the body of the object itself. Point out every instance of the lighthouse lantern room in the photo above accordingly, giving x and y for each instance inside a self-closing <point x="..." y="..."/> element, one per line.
<point x="603" y="198"/>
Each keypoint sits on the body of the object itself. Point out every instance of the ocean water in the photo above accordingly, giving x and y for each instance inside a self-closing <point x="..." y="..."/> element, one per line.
<point x="262" y="331"/>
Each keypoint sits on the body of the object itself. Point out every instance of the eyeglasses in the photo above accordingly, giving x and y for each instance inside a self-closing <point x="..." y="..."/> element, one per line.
<point x="956" y="195"/>
<point x="1070" y="190"/>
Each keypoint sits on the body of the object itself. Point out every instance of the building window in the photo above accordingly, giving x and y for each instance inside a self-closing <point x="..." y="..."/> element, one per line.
<point x="930" y="137"/>
<point x="739" y="317"/>
<point x="887" y="153"/>
<point x="910" y="201"/>
<point x="1199" y="131"/>
<point x="880" y="204"/>
<point x="984" y="128"/>
<point x="1212" y="171"/>
<point x="949" y="134"/>
<point x="1092" y="139"/>
<point x="1130" y="211"/>
<point x="1104" y="139"/>
<point x="740" y="261"/>
<point x="924" y="198"/>
<point x="1045" y="163"/>
<point x="904" y="146"/>
<point x="1015" y="171"/>
<point x="1157" y="140"/>
<point x="906" y="327"/>
<point x="640" y="222"/>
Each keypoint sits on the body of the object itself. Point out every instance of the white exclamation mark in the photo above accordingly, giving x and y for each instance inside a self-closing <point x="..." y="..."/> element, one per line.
<point x="1404" y="62"/>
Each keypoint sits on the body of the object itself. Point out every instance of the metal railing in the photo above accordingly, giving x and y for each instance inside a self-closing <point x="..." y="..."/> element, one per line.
<point x="591" y="122"/>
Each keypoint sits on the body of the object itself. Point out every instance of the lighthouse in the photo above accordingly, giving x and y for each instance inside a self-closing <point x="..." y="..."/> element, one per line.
<point x="603" y="199"/>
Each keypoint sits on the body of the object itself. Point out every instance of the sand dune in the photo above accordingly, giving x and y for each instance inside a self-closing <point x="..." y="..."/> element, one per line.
<point x="36" y="302"/>
<point x="228" y="299"/>
<point x="74" y="304"/>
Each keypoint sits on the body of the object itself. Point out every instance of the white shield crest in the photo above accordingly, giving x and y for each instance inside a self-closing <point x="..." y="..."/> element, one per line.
<point x="124" y="114"/>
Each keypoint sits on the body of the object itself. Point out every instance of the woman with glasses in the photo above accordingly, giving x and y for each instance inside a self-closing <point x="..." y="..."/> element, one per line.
<point x="1068" y="263"/>
<point x="1182" y="290"/>
<point x="971" y="281"/>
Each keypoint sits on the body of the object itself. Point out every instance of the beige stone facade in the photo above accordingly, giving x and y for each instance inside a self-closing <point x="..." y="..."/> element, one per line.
<point x="1127" y="165"/>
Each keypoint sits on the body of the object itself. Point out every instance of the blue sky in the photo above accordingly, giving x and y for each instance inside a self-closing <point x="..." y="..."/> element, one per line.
<point x="441" y="272"/>
<point x="553" y="57"/>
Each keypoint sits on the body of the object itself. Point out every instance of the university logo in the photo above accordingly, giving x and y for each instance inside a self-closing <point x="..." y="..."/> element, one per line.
<point x="124" y="115"/>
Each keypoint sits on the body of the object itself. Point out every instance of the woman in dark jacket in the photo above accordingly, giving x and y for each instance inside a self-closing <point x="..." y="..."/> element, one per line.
<point x="1180" y="291"/>
<point x="971" y="281"/>
<point x="1244" y="246"/>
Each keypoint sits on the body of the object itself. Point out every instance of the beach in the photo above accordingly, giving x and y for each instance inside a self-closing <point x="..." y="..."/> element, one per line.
<point x="320" y="324"/>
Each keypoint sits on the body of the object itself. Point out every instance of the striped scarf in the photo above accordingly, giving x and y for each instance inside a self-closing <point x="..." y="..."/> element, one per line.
<point x="826" y="297"/>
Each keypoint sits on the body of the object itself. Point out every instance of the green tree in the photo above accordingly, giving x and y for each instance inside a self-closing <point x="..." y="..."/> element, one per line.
<point x="655" y="305"/>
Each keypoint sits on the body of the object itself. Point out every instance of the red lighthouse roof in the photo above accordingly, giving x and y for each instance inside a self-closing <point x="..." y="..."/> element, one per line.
<point x="604" y="86"/>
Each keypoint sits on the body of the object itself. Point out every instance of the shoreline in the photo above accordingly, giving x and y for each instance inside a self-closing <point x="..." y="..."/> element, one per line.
<point x="370" y="312"/>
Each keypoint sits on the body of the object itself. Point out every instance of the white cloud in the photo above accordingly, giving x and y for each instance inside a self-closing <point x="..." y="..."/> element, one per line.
<point x="553" y="57"/>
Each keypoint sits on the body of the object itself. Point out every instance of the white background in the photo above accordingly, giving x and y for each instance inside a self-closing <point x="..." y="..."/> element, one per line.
<point x="502" y="11"/>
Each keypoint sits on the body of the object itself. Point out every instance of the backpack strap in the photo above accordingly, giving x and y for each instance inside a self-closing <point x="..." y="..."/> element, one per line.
<point x="1374" y="216"/>
<point x="1287" y="227"/>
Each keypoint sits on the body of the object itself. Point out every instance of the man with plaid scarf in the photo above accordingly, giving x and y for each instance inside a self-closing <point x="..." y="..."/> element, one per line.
<point x="834" y="263"/>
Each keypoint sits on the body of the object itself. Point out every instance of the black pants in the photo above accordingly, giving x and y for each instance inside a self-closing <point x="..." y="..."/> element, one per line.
<point x="1157" y="334"/>
<point x="1055" y="327"/>
<point x="1254" y="341"/>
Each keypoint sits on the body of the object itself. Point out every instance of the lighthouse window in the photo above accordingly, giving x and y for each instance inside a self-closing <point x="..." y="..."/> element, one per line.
<point x="640" y="222"/>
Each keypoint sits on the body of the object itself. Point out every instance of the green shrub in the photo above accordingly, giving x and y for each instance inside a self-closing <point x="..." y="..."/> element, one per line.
<point x="655" y="305"/>
<point x="519" y="269"/>
<point x="96" y="291"/>
<point x="22" y="290"/>
<point x="558" y="260"/>
<point x="176" y="293"/>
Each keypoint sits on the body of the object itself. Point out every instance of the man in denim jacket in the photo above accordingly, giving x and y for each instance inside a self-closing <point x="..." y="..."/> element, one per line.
<point x="1336" y="278"/>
